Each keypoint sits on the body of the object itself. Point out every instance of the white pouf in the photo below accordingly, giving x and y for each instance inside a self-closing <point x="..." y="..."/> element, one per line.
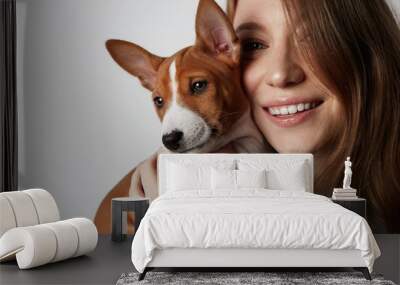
<point x="40" y="244"/>
<point x="45" y="205"/>
<point x="31" y="232"/>
<point x="27" y="208"/>
<point x="7" y="216"/>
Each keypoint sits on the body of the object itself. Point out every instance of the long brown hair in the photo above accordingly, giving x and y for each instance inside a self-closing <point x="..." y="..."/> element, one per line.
<point x="354" y="47"/>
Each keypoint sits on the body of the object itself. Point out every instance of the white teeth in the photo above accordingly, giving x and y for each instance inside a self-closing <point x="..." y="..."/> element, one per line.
<point x="283" y="110"/>
<point x="291" y="109"/>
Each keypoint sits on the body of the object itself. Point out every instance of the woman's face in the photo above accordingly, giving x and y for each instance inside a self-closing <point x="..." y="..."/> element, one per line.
<point x="290" y="106"/>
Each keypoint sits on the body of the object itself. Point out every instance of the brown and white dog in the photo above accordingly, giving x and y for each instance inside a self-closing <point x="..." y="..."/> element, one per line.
<point x="197" y="95"/>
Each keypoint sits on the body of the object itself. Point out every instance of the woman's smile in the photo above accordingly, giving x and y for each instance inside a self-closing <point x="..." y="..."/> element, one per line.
<point x="287" y="112"/>
<point x="291" y="115"/>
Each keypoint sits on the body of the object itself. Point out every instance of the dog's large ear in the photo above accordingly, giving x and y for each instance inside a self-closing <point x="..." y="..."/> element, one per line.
<point x="135" y="60"/>
<point x="215" y="33"/>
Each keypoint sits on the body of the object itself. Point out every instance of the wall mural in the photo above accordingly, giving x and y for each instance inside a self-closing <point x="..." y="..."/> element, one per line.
<point x="220" y="95"/>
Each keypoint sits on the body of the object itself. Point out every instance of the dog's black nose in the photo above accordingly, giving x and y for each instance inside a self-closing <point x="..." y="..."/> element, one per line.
<point x="171" y="140"/>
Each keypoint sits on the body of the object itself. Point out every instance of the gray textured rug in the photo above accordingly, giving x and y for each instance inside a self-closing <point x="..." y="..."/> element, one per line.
<point x="230" y="278"/>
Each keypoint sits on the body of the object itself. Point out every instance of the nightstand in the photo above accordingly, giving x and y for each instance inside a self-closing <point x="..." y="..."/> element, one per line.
<point x="118" y="206"/>
<point x="357" y="205"/>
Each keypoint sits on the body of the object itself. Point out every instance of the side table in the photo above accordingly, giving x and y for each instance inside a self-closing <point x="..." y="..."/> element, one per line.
<point x="357" y="205"/>
<point x="121" y="204"/>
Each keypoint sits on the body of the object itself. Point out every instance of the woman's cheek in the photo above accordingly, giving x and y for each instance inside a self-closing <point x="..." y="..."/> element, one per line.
<point x="251" y="79"/>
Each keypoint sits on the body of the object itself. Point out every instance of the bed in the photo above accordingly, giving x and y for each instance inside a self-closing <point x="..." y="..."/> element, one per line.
<point x="247" y="210"/>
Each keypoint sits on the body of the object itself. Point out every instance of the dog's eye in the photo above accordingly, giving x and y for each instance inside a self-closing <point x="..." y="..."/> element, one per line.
<point x="198" y="86"/>
<point x="158" y="101"/>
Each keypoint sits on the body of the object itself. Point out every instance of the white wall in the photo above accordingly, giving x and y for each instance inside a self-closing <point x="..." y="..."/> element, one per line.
<point x="84" y="122"/>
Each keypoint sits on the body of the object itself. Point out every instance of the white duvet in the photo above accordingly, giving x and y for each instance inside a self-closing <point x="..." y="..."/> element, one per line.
<point x="251" y="218"/>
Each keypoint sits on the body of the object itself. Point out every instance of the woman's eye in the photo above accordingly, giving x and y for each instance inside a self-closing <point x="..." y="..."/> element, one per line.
<point x="158" y="101"/>
<point x="252" y="45"/>
<point x="198" y="86"/>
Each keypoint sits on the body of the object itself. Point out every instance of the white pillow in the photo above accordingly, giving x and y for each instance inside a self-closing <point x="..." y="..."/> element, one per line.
<point x="281" y="174"/>
<point x="251" y="178"/>
<point x="223" y="179"/>
<point x="227" y="179"/>
<point x="181" y="178"/>
<point x="203" y="161"/>
<point x="293" y="179"/>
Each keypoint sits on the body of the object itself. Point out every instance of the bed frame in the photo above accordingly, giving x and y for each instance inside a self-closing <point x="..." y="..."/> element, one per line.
<point x="243" y="259"/>
<point x="246" y="258"/>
